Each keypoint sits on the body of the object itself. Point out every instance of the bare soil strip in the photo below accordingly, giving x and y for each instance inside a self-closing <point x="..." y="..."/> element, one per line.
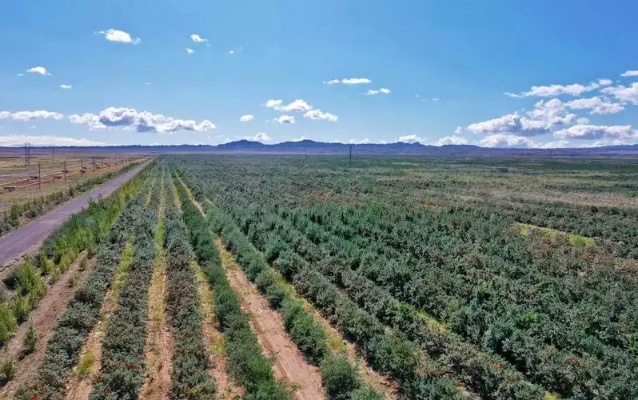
<point x="80" y="387"/>
<point x="338" y="344"/>
<point x="227" y="389"/>
<point x="43" y="320"/>
<point x="159" y="342"/>
<point x="289" y="364"/>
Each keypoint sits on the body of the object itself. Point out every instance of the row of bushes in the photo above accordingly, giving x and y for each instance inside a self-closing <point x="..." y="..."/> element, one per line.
<point x="82" y="313"/>
<point x="190" y="373"/>
<point x="122" y="367"/>
<point x="11" y="218"/>
<point x="531" y="331"/>
<point x="387" y="352"/>
<point x="486" y="374"/>
<point x="247" y="363"/>
<point x="83" y="231"/>
<point x="341" y="379"/>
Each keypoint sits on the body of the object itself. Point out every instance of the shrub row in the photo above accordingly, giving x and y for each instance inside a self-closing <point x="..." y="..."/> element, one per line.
<point x="190" y="373"/>
<point x="340" y="378"/>
<point x="247" y="363"/>
<point x="122" y="368"/>
<point x="83" y="231"/>
<point x="82" y="312"/>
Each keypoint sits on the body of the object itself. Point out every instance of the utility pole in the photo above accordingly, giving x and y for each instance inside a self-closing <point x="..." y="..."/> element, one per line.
<point x="64" y="170"/>
<point x="39" y="176"/>
<point x="52" y="155"/>
<point x="350" y="158"/>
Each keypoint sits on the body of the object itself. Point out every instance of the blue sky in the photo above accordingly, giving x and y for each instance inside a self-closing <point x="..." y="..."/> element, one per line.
<point x="498" y="73"/>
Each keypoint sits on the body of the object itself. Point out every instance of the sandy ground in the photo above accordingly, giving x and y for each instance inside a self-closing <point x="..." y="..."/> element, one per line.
<point x="227" y="389"/>
<point x="80" y="388"/>
<point x="289" y="364"/>
<point x="43" y="319"/>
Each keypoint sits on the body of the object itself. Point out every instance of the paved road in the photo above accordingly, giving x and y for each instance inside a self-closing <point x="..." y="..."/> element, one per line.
<point x="29" y="237"/>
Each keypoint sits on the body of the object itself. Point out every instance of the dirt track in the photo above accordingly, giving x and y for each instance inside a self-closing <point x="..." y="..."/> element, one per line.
<point x="289" y="363"/>
<point x="28" y="238"/>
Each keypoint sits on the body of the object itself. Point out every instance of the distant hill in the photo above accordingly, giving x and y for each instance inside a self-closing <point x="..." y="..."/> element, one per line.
<point x="312" y="147"/>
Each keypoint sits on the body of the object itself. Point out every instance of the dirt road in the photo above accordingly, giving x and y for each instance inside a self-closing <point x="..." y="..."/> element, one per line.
<point x="28" y="238"/>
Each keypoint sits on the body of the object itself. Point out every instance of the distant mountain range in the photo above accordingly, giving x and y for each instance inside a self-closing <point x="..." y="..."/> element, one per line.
<point x="312" y="147"/>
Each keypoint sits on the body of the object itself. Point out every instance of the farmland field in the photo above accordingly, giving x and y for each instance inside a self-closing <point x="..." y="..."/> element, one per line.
<point x="284" y="277"/>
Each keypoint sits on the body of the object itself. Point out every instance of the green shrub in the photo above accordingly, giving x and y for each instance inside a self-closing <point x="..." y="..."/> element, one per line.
<point x="339" y="377"/>
<point x="30" y="339"/>
<point x="8" y="368"/>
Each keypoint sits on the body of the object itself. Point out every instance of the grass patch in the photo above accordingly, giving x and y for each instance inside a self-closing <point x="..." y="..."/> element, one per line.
<point x="575" y="240"/>
<point x="85" y="365"/>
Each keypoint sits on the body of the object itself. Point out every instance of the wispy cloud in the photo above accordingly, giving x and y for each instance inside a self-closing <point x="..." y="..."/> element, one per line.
<point x="348" y="81"/>
<point x="629" y="73"/>
<point x="190" y="51"/>
<point x="297" y="105"/>
<point x="259" y="137"/>
<point x="285" y="120"/>
<point x="65" y="86"/>
<point x="20" y="140"/>
<point x="30" y="115"/>
<point x="373" y="92"/>
<point x="246" y="118"/>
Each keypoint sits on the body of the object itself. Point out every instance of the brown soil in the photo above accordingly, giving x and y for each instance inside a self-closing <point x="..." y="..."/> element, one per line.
<point x="159" y="342"/>
<point x="338" y="344"/>
<point x="227" y="389"/>
<point x="289" y="364"/>
<point x="80" y="387"/>
<point x="43" y="319"/>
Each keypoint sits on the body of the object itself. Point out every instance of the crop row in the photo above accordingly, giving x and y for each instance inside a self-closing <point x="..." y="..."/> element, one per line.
<point x="340" y="377"/>
<point x="247" y="363"/>
<point x="487" y="375"/>
<point x="83" y="231"/>
<point x="559" y="314"/>
<point x="122" y="368"/>
<point x="387" y="352"/>
<point x="82" y="312"/>
<point x="190" y="373"/>
<point x="568" y="361"/>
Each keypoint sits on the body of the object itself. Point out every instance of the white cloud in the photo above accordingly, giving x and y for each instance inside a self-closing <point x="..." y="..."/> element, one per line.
<point x="65" y="86"/>
<point x="231" y="52"/>
<point x="543" y="118"/>
<point x="630" y="73"/>
<point x="504" y="140"/>
<point x="359" y="141"/>
<point x="20" y="140"/>
<point x="259" y="137"/>
<point x="38" y="70"/>
<point x="198" y="39"/>
<point x="320" y="115"/>
<point x="454" y="139"/>
<point x="190" y="51"/>
<point x="356" y="81"/>
<point x="349" y="81"/>
<point x="435" y="99"/>
<point x="596" y="105"/>
<point x="410" y="139"/>
<point x="297" y="105"/>
<point x="285" y="120"/>
<point x="458" y="130"/>
<point x="116" y="35"/>
<point x="605" y="82"/>
<point x="30" y="115"/>
<point x="553" y="90"/>
<point x="623" y="93"/>
<point x="598" y="132"/>
<point x="142" y="121"/>
<point x="555" y="145"/>
<point x="373" y="92"/>
<point x="147" y="83"/>
<point x="246" y="118"/>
